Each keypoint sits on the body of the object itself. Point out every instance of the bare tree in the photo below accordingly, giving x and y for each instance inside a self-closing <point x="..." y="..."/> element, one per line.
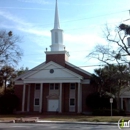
<point x="115" y="52"/>
<point x="10" y="52"/>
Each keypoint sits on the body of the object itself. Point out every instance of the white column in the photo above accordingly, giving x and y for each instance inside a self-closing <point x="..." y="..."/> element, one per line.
<point x="41" y="89"/>
<point x="60" y="99"/>
<point x="121" y="103"/>
<point x="28" y="103"/>
<point x="79" y="99"/>
<point x="23" y="100"/>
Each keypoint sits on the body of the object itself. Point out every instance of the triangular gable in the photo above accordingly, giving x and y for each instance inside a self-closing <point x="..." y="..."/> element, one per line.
<point x="43" y="72"/>
<point x="29" y="71"/>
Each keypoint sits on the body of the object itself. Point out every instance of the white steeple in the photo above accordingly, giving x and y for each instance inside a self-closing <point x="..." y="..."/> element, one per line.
<point x="56" y="23"/>
<point x="57" y="33"/>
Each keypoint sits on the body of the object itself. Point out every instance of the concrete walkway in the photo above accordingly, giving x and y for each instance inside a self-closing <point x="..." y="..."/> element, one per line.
<point x="75" y="122"/>
<point x="36" y="120"/>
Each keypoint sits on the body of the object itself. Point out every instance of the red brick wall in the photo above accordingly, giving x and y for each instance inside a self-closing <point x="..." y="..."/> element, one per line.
<point x="58" y="58"/>
<point x="65" y="97"/>
<point x="76" y="98"/>
<point x="18" y="90"/>
<point x="26" y="98"/>
<point x="32" y="87"/>
<point x="45" y="100"/>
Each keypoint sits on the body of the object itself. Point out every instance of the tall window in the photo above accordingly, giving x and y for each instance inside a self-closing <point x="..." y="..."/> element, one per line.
<point x="56" y="37"/>
<point x="54" y="86"/>
<point x="36" y="101"/>
<point x="37" y="86"/>
<point x="72" y="86"/>
<point x="72" y="102"/>
<point x="51" y="86"/>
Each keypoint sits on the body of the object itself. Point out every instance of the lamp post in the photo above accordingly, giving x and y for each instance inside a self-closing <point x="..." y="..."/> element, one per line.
<point x="111" y="101"/>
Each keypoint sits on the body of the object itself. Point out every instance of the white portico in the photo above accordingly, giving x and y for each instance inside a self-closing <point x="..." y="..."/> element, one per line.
<point x="55" y="75"/>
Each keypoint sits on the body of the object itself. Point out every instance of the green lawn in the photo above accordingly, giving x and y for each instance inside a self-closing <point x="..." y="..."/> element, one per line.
<point x="68" y="118"/>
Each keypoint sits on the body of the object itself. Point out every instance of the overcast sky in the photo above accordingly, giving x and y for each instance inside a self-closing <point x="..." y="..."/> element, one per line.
<point x="83" y="22"/>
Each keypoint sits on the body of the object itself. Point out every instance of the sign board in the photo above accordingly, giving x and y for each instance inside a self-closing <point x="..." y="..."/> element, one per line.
<point x="111" y="100"/>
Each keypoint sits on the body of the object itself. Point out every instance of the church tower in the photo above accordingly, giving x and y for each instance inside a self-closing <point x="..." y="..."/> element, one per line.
<point x="57" y="33"/>
<point x="58" y="53"/>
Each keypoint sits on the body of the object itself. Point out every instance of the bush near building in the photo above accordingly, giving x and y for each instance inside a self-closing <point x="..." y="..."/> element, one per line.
<point x="8" y="102"/>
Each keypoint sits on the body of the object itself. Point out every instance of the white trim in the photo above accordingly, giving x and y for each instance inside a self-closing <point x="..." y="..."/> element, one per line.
<point x="34" y="102"/>
<point x="76" y="80"/>
<point x="75" y="67"/>
<point x="74" y="102"/>
<point x="32" y="72"/>
<point x="23" y="99"/>
<point x="57" y="52"/>
<point x="72" y="95"/>
<point x="54" y="87"/>
<point x="57" y="66"/>
<point x="74" y="88"/>
<point x="29" y="71"/>
<point x="38" y="97"/>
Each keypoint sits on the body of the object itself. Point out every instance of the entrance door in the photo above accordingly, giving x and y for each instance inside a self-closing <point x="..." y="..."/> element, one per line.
<point x="53" y="105"/>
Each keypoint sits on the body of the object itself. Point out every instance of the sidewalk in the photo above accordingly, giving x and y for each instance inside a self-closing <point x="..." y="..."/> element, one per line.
<point x="36" y="120"/>
<point x="75" y="122"/>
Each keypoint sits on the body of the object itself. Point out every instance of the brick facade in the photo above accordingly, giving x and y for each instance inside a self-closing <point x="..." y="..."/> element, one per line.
<point x="86" y="90"/>
<point x="57" y="58"/>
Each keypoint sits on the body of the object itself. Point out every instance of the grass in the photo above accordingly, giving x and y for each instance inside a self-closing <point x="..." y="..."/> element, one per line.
<point x="68" y="118"/>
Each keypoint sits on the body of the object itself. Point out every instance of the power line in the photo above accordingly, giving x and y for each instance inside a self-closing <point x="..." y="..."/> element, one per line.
<point x="103" y="15"/>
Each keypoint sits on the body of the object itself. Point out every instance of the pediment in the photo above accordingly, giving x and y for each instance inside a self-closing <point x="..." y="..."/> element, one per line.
<point x="51" y="70"/>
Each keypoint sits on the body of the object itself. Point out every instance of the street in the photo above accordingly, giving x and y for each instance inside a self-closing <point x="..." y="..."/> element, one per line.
<point x="49" y="126"/>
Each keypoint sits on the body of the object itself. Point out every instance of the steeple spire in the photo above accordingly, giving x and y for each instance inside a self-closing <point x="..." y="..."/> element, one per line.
<point x="56" y="22"/>
<point x="57" y="33"/>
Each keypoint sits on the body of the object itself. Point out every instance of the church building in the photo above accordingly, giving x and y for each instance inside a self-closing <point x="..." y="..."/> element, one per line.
<point x="55" y="85"/>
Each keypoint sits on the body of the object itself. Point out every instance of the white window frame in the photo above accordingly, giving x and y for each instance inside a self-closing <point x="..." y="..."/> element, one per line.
<point x="74" y="102"/>
<point x="71" y="88"/>
<point x="37" y="90"/>
<point x="36" y="86"/>
<point x="54" y="87"/>
<point x="34" y="101"/>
